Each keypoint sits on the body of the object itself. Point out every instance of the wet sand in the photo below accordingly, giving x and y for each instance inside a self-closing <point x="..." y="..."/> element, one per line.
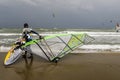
<point x="71" y="67"/>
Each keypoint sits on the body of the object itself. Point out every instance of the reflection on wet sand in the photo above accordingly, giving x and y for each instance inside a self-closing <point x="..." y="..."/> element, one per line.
<point x="30" y="71"/>
<point x="26" y="71"/>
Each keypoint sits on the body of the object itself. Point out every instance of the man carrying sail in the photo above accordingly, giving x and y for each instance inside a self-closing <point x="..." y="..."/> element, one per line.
<point x="26" y="37"/>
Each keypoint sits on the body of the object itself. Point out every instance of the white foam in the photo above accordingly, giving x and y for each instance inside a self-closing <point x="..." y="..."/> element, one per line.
<point x="4" y="49"/>
<point x="69" y="32"/>
<point x="9" y="34"/>
<point x="85" y="48"/>
<point x="99" y="46"/>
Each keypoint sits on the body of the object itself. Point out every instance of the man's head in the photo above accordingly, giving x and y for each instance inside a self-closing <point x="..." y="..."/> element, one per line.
<point x="26" y="25"/>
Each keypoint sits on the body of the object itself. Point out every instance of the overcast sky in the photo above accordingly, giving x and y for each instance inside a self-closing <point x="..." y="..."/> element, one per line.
<point x="60" y="13"/>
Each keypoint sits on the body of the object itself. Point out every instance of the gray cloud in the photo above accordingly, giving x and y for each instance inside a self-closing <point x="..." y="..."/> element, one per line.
<point x="67" y="13"/>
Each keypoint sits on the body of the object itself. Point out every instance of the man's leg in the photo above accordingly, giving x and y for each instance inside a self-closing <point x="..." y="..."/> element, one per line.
<point x="24" y="55"/>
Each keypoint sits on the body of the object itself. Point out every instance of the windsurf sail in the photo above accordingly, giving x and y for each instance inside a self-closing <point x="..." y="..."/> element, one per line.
<point x="57" y="45"/>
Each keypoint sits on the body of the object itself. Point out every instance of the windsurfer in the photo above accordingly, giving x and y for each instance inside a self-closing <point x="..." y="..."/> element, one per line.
<point x="26" y="35"/>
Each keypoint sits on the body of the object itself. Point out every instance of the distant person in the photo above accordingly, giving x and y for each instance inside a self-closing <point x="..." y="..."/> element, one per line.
<point x="117" y="27"/>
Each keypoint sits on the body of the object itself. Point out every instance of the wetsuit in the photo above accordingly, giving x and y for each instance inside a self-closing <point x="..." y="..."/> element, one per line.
<point x="26" y="34"/>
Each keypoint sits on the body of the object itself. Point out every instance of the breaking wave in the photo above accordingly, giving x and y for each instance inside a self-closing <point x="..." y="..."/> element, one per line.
<point x="104" y="41"/>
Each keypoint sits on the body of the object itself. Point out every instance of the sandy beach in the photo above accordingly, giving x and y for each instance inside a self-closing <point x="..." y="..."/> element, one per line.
<point x="79" y="66"/>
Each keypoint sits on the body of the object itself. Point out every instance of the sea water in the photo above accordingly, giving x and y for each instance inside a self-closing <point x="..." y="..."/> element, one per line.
<point x="105" y="40"/>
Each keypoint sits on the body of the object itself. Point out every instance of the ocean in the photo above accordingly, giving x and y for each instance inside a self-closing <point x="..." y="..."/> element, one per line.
<point x="105" y="39"/>
<point x="73" y="66"/>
